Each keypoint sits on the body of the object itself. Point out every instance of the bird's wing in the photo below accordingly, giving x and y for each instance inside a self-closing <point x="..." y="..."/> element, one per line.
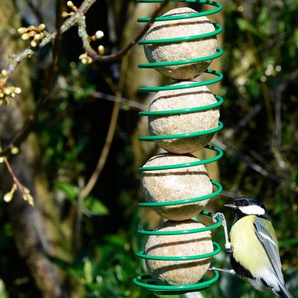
<point x="269" y="242"/>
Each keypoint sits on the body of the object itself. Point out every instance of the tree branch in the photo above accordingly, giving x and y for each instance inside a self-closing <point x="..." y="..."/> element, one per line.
<point x="124" y="51"/>
<point x="15" y="59"/>
<point x="78" y="18"/>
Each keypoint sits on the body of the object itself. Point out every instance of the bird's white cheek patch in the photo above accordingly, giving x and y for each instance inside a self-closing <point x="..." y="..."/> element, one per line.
<point x="254" y="210"/>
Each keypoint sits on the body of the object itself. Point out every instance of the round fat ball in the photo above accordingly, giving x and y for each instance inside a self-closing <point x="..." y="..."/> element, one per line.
<point x="181" y="50"/>
<point x="178" y="272"/>
<point x="176" y="184"/>
<point x="183" y="123"/>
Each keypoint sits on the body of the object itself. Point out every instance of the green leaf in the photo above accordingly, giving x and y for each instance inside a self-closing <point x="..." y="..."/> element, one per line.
<point x="71" y="268"/>
<point x="87" y="269"/>
<point x="245" y="25"/>
<point x="70" y="190"/>
<point x="116" y="240"/>
<point x="94" y="206"/>
<point x="288" y="242"/>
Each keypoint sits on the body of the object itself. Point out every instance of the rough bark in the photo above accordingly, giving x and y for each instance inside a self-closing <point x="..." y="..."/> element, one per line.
<point x="36" y="229"/>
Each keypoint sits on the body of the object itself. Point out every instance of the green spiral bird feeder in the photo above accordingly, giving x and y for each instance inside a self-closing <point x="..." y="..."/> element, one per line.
<point x="212" y="77"/>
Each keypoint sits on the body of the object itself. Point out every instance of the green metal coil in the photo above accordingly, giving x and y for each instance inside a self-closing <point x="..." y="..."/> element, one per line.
<point x="217" y="54"/>
<point x="184" y="111"/>
<point x="146" y="281"/>
<point x="183" y="135"/>
<point x="218" y="8"/>
<point x="185" y="201"/>
<point x="212" y="77"/>
<point x="219" y="155"/>
<point x="185" y="38"/>
<point x="143" y="255"/>
<point x="199" y="230"/>
<point x="218" y="77"/>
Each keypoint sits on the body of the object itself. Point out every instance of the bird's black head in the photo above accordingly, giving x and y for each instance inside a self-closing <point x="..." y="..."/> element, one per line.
<point x="244" y="206"/>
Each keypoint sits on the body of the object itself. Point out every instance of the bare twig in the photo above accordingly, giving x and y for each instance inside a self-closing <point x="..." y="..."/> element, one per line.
<point x="96" y="94"/>
<point x="113" y="123"/>
<point x="124" y="51"/>
<point x="78" y="18"/>
<point x="246" y="159"/>
<point x="85" y="191"/>
<point x="15" y="59"/>
<point x="24" y="190"/>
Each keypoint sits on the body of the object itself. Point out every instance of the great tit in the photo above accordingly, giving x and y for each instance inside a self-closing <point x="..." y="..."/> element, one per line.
<point x="253" y="247"/>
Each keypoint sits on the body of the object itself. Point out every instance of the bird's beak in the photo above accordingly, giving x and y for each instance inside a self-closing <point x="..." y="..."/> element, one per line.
<point x="231" y="206"/>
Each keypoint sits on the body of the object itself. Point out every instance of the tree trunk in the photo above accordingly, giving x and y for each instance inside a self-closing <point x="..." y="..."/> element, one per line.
<point x="37" y="232"/>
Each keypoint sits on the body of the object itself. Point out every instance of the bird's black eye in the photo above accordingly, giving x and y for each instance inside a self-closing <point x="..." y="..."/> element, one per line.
<point x="245" y="203"/>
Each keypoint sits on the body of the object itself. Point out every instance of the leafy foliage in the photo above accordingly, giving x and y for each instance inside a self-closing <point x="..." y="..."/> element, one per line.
<point x="260" y="116"/>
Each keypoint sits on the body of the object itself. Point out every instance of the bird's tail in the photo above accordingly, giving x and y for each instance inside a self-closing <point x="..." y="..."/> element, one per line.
<point x="284" y="292"/>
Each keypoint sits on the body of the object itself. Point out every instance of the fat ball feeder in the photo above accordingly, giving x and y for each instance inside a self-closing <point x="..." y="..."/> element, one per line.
<point x="181" y="45"/>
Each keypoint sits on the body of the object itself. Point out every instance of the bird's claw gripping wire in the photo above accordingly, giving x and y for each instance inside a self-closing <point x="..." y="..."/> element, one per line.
<point x="215" y="218"/>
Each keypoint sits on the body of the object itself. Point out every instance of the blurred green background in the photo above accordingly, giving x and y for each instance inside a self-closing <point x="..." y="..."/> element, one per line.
<point x="90" y="121"/>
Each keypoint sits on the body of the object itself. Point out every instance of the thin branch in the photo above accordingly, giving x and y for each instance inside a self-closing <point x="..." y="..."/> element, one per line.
<point x="24" y="190"/>
<point x="113" y="123"/>
<point x="78" y="18"/>
<point x="85" y="191"/>
<point x="28" y="126"/>
<point x="124" y="51"/>
<point x="96" y="94"/>
<point x="277" y="98"/>
<point x="246" y="159"/>
<point x="15" y="59"/>
<point x="110" y="135"/>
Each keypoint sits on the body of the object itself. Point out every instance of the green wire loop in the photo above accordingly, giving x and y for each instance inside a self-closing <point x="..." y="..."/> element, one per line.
<point x="192" y="84"/>
<point x="218" y="8"/>
<point x="142" y="255"/>
<point x="185" y="201"/>
<point x="219" y="102"/>
<point x="189" y="231"/>
<point x="188" y="164"/>
<point x="217" y="54"/>
<point x="218" y="29"/>
<point x="146" y="281"/>
<point x="183" y="135"/>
